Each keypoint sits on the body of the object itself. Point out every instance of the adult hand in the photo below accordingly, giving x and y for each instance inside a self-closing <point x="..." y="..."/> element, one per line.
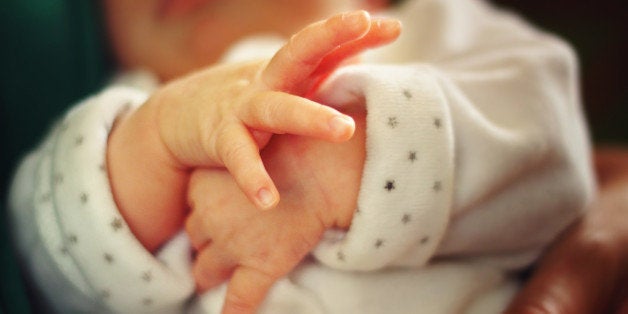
<point x="586" y="271"/>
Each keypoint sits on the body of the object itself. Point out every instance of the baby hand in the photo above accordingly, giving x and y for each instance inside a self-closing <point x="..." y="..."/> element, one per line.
<point x="223" y="115"/>
<point x="204" y="119"/>
<point x="256" y="248"/>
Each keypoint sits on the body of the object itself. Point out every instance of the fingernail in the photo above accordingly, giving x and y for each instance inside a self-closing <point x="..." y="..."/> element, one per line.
<point x="355" y="19"/>
<point x="356" y="15"/>
<point x="340" y="124"/>
<point x="389" y="25"/>
<point x="265" y="198"/>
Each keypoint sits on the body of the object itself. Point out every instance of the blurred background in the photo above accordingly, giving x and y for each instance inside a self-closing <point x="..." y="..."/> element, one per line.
<point x="599" y="32"/>
<point x="51" y="56"/>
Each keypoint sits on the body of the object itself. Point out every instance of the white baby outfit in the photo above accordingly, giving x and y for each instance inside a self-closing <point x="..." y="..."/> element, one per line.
<point x="477" y="157"/>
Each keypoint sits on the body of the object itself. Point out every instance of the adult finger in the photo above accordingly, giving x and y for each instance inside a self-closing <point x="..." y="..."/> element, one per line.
<point x="211" y="268"/>
<point x="611" y="164"/>
<point x="578" y="275"/>
<point x="236" y="149"/>
<point x="296" y="60"/>
<point x="246" y="291"/>
<point x="279" y="112"/>
<point x="567" y="284"/>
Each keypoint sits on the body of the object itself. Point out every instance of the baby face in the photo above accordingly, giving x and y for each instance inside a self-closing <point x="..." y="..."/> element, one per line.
<point x="173" y="37"/>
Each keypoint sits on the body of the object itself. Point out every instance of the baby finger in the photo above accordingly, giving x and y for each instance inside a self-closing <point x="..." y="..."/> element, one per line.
<point x="197" y="231"/>
<point x="296" y="61"/>
<point x="246" y="291"/>
<point x="211" y="268"/>
<point x="383" y="31"/>
<point x="237" y="150"/>
<point x="279" y="112"/>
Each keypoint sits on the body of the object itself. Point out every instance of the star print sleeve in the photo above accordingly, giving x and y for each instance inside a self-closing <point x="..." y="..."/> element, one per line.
<point x="75" y="245"/>
<point x="476" y="145"/>
<point x="406" y="189"/>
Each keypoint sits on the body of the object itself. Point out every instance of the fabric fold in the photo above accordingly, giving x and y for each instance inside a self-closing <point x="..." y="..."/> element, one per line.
<point x="407" y="184"/>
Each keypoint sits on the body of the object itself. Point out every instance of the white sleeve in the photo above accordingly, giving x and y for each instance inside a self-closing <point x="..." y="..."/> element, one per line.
<point x="76" y="247"/>
<point x="476" y="144"/>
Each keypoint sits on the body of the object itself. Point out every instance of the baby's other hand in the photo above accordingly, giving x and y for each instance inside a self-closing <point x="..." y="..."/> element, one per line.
<point x="319" y="183"/>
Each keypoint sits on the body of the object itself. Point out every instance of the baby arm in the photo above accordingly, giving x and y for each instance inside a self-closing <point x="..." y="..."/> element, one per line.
<point x="203" y="121"/>
<point x="255" y="248"/>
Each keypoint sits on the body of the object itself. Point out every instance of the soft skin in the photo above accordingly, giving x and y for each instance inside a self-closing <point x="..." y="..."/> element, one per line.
<point x="223" y="115"/>
<point x="255" y="248"/>
<point x="175" y="37"/>
<point x="180" y="129"/>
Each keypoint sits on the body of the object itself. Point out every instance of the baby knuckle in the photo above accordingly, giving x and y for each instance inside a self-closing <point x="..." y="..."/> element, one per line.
<point x="296" y="54"/>
<point x="261" y="258"/>
<point x="267" y="109"/>
<point x="212" y="139"/>
<point x="226" y="145"/>
<point x="235" y="152"/>
<point x="269" y="264"/>
<point x="287" y="51"/>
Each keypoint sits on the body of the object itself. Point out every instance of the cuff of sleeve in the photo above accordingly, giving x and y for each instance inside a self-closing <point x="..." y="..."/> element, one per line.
<point x="117" y="270"/>
<point x="407" y="184"/>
